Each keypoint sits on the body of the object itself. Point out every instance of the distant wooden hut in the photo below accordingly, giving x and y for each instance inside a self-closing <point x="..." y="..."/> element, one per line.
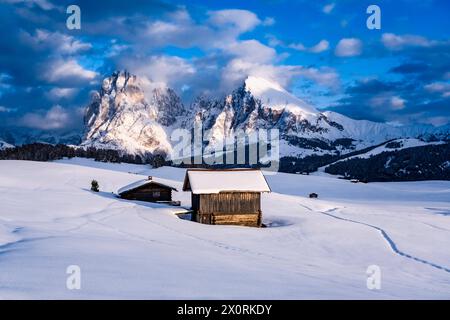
<point x="147" y="190"/>
<point x="226" y="196"/>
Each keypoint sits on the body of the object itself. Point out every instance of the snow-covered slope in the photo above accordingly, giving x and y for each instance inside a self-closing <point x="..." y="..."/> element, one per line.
<point x="397" y="144"/>
<point x="123" y="115"/>
<point x="312" y="248"/>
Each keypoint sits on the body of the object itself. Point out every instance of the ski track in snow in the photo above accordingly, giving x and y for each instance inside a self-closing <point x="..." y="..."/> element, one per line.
<point x="385" y="236"/>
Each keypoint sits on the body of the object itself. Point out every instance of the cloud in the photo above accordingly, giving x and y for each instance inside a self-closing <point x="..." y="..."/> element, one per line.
<point x="405" y="101"/>
<point x="324" y="76"/>
<point x="372" y="86"/>
<point x="179" y="29"/>
<point x="164" y="70"/>
<point x="55" y="118"/>
<point x="61" y="93"/>
<point x="328" y="8"/>
<point x="251" y="50"/>
<point x="436" y="121"/>
<point x="7" y="110"/>
<point x="268" y="21"/>
<point x="56" y="41"/>
<point x="226" y="58"/>
<point x="43" y="4"/>
<point x="61" y="71"/>
<point x="442" y="88"/>
<point x="387" y="100"/>
<point x="321" y="46"/>
<point x="399" y="42"/>
<point x="348" y="47"/>
<point x="240" y="20"/>
<point x="235" y="72"/>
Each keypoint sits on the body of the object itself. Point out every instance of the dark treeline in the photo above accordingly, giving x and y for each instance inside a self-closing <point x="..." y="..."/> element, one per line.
<point x="49" y="152"/>
<point x="431" y="162"/>
<point x="313" y="162"/>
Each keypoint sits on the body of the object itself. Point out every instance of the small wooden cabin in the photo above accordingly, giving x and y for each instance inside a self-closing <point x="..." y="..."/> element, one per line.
<point x="226" y="196"/>
<point x="147" y="190"/>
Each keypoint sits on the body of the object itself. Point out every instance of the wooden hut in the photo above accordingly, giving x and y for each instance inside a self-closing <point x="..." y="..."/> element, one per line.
<point x="226" y="196"/>
<point x="147" y="190"/>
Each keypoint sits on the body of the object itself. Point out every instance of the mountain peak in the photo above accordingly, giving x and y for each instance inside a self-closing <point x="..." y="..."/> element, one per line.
<point x="273" y="95"/>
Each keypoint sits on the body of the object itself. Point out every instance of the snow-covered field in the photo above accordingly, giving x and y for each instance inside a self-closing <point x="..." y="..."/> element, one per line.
<point x="313" y="248"/>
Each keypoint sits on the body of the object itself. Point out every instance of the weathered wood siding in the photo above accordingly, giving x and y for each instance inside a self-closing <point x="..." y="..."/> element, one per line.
<point x="230" y="202"/>
<point x="247" y="219"/>
<point x="149" y="193"/>
<point x="234" y="208"/>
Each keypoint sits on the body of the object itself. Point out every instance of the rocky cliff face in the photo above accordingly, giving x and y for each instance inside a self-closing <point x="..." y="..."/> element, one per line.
<point x="120" y="117"/>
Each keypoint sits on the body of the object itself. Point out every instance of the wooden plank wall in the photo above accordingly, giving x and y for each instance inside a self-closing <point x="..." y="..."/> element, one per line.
<point x="146" y="194"/>
<point x="230" y="202"/>
<point x="248" y="219"/>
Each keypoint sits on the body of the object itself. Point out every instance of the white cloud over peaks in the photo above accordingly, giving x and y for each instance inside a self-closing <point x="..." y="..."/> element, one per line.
<point x="321" y="46"/>
<point x="70" y="70"/>
<point x="55" y="118"/>
<point x="235" y="72"/>
<point x="399" y="42"/>
<point x="226" y="59"/>
<point x="162" y="70"/>
<point x="348" y="47"/>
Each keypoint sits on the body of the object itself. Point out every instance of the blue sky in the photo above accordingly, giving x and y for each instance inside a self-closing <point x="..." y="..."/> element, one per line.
<point x="322" y="51"/>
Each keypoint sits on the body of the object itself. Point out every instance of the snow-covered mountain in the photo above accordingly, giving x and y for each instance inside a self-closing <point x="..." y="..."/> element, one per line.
<point x="18" y="136"/>
<point x="4" y="145"/>
<point x="124" y="116"/>
<point x="120" y="116"/>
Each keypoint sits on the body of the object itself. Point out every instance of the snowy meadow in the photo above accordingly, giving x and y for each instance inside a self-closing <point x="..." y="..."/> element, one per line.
<point x="311" y="248"/>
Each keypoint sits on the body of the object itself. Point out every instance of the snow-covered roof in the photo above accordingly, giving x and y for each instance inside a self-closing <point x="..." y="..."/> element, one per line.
<point x="214" y="181"/>
<point x="141" y="183"/>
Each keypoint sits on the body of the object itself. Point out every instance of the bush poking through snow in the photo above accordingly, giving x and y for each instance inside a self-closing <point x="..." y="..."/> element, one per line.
<point x="157" y="161"/>
<point x="94" y="186"/>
